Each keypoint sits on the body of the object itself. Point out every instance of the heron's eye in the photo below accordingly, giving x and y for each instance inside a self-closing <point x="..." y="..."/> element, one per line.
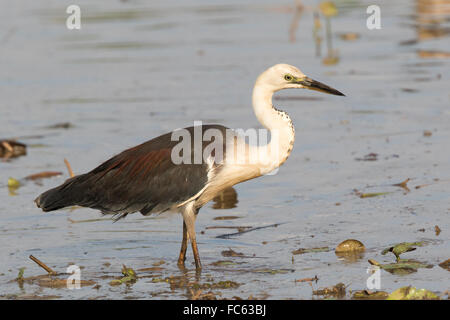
<point x="288" y="77"/>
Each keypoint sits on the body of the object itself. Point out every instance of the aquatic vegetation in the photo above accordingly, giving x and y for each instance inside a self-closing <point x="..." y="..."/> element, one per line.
<point x="369" y="295"/>
<point x="338" y="291"/>
<point x="129" y="277"/>
<point x="401" y="248"/>
<point x="411" y="293"/>
<point x="445" y="265"/>
<point x="12" y="149"/>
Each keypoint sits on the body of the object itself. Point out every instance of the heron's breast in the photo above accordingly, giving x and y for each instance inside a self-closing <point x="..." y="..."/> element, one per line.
<point x="226" y="176"/>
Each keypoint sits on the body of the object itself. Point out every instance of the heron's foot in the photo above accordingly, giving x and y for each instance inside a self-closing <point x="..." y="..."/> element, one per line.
<point x="181" y="260"/>
<point x="189" y="215"/>
<point x="198" y="265"/>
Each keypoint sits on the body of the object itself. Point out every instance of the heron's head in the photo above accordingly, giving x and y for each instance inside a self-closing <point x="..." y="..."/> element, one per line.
<point x="284" y="76"/>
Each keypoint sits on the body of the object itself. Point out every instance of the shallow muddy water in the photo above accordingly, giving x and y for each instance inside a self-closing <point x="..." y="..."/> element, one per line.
<point x="138" y="69"/>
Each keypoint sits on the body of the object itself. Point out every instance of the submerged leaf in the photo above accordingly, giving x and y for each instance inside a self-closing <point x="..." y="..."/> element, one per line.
<point x="232" y="253"/>
<point x="273" y="271"/>
<point x="311" y="250"/>
<point x="223" y="263"/>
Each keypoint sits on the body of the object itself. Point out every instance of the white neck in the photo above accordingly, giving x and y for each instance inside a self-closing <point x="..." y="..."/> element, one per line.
<point x="275" y="153"/>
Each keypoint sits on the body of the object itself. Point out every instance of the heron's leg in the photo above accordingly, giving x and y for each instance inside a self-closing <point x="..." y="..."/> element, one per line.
<point x="189" y="216"/>
<point x="198" y="264"/>
<point x="184" y="244"/>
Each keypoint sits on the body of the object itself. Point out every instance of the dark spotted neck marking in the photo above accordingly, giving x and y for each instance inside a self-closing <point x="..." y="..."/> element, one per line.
<point x="283" y="115"/>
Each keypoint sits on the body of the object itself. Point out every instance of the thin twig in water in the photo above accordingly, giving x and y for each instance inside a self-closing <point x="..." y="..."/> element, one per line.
<point x="42" y="265"/>
<point x="225" y="236"/>
<point x="69" y="168"/>
<point x="308" y="279"/>
<point x="7" y="146"/>
<point x="403" y="185"/>
<point x="436" y="181"/>
<point x="227" y="227"/>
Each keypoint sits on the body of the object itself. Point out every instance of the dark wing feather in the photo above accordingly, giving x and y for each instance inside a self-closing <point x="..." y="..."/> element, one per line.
<point x="142" y="178"/>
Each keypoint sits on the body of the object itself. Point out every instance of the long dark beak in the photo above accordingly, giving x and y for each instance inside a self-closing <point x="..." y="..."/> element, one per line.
<point x="318" y="86"/>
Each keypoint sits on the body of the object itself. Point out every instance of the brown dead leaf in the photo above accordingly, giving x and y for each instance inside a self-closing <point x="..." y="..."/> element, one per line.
<point x="433" y="54"/>
<point x="43" y="175"/>
<point x="437" y="230"/>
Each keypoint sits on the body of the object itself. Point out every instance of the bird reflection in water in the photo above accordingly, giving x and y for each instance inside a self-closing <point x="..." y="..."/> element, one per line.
<point x="227" y="199"/>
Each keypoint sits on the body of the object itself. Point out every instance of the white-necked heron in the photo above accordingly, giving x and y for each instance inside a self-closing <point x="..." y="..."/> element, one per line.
<point x="146" y="179"/>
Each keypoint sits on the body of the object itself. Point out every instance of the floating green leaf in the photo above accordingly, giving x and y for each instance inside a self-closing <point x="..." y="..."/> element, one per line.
<point x="411" y="293"/>
<point x="129" y="276"/>
<point x="402" y="267"/>
<point x="403" y="247"/>
<point x="20" y="275"/>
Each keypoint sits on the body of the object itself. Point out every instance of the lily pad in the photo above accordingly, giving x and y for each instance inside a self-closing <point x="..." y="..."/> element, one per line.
<point x="402" y="267"/>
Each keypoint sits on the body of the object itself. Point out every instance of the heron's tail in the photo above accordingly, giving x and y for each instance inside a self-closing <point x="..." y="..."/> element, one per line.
<point x="65" y="195"/>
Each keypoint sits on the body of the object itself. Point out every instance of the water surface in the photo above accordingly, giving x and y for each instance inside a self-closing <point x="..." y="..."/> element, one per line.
<point x="138" y="69"/>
